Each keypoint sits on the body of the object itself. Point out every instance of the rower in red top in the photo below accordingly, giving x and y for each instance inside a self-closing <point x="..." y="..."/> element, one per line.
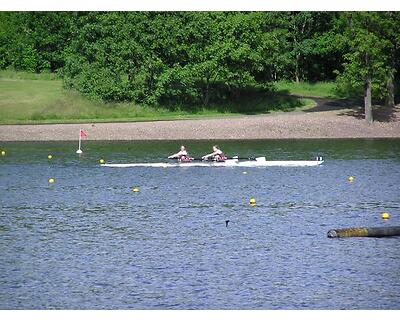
<point x="217" y="155"/>
<point x="182" y="155"/>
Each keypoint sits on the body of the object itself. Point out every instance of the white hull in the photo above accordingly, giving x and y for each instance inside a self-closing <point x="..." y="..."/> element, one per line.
<point x="227" y="163"/>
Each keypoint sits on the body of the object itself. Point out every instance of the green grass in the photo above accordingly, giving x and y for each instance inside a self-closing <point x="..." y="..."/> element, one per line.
<point x="23" y="75"/>
<point x="316" y="89"/>
<point x="40" y="98"/>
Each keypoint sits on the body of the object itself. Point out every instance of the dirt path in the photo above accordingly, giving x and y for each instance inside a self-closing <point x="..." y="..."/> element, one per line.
<point x="329" y="119"/>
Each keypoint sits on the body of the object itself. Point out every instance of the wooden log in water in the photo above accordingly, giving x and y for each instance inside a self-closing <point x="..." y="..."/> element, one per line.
<point x="364" y="232"/>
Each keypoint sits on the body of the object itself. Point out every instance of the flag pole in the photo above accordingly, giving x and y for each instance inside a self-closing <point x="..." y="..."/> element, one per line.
<point x="79" y="151"/>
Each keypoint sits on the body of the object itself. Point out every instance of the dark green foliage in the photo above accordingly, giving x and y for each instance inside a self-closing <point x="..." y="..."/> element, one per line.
<point x="370" y="59"/>
<point x="34" y="41"/>
<point x="195" y="59"/>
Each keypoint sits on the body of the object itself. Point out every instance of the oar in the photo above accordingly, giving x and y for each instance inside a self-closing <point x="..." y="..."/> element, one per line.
<point x="229" y="158"/>
<point x="232" y="158"/>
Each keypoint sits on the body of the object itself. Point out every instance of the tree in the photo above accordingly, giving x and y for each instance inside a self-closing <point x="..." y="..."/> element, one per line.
<point x="308" y="44"/>
<point x="34" y="41"/>
<point x="300" y="27"/>
<point x="200" y="58"/>
<point x="391" y="31"/>
<point x="365" y="63"/>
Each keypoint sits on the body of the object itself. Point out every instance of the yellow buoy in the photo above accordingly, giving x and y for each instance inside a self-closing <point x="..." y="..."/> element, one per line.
<point x="385" y="215"/>
<point x="244" y="172"/>
<point x="252" y="202"/>
<point x="350" y="179"/>
<point x="49" y="157"/>
<point x="3" y="153"/>
<point x="101" y="161"/>
<point x="52" y="180"/>
<point x="136" y="189"/>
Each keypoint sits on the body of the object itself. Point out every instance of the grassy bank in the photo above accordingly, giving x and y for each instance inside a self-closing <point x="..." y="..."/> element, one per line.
<point x="307" y="89"/>
<point x="40" y="98"/>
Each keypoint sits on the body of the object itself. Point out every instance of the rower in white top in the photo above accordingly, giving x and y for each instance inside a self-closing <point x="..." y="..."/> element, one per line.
<point x="216" y="155"/>
<point x="182" y="155"/>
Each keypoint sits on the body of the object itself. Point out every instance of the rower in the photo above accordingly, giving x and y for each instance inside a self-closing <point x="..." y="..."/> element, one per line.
<point x="217" y="155"/>
<point x="182" y="155"/>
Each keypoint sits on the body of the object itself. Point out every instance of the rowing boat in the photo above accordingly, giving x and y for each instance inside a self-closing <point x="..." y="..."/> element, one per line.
<point x="257" y="162"/>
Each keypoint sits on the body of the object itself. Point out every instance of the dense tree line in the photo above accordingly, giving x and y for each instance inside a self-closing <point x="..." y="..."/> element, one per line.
<point x="189" y="58"/>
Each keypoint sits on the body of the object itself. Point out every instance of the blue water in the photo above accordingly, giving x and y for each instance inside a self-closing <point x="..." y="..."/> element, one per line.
<point x="88" y="242"/>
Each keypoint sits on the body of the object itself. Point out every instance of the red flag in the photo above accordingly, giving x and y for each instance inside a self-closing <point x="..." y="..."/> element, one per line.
<point x="82" y="133"/>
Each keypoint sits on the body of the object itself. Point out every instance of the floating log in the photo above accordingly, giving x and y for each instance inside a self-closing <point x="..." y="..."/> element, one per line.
<point x="364" y="232"/>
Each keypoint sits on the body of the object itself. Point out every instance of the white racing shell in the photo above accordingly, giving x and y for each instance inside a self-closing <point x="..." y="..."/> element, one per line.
<point x="258" y="162"/>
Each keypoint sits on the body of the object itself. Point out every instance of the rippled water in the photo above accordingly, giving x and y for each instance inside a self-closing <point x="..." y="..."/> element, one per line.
<point x="89" y="242"/>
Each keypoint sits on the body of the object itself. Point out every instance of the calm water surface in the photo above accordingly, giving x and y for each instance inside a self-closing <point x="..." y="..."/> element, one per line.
<point x="89" y="242"/>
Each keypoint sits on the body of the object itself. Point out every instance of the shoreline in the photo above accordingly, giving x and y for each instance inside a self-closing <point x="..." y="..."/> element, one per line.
<point x="200" y="140"/>
<point x="333" y="124"/>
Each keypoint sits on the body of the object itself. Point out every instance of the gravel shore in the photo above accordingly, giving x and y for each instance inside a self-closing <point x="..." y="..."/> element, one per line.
<point x="300" y="124"/>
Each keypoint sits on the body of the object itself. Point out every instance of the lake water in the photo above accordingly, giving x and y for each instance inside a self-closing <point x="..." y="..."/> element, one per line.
<point x="88" y="242"/>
